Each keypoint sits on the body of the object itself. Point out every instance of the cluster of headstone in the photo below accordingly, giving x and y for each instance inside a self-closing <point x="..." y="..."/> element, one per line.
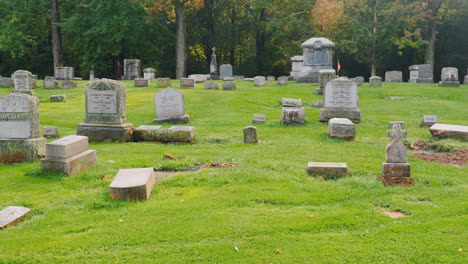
<point x="293" y="113"/>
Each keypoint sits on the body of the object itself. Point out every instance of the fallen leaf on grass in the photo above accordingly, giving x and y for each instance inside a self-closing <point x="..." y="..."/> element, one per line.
<point x="311" y="216"/>
<point x="102" y="177"/>
<point x="280" y="251"/>
<point x="460" y="249"/>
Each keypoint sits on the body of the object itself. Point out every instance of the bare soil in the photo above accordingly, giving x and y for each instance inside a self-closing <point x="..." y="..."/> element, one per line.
<point x="458" y="157"/>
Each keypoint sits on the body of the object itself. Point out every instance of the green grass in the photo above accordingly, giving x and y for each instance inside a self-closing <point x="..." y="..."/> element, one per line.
<point x="265" y="203"/>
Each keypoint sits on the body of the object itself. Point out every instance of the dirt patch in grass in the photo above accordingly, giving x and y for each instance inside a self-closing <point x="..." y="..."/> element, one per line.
<point x="458" y="157"/>
<point x="219" y="165"/>
<point x="393" y="214"/>
<point x="9" y="159"/>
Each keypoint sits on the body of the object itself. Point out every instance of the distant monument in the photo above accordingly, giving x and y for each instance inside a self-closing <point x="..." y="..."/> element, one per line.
<point x="213" y="66"/>
<point x="131" y="69"/>
<point x="318" y="54"/>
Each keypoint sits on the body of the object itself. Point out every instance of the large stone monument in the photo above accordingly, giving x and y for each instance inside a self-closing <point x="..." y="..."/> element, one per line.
<point x="318" y="54"/>
<point x="422" y="73"/>
<point x="449" y="77"/>
<point x="213" y="66"/>
<point x="64" y="73"/>
<point x="23" y="82"/>
<point x="396" y="165"/>
<point x="105" y="112"/>
<point x="170" y="107"/>
<point x="20" y="135"/>
<point x="297" y="62"/>
<point x="341" y="101"/>
<point x="131" y="69"/>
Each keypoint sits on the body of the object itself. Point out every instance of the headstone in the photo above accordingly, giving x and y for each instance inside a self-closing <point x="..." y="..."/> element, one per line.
<point x="238" y="77"/>
<point x="449" y="131"/>
<point x="132" y="184"/>
<point x="465" y="81"/>
<point x="258" y="119"/>
<point x="324" y="77"/>
<point x="175" y="134"/>
<point x="341" y="128"/>
<point x="149" y="73"/>
<point x="213" y="66"/>
<point x="289" y="102"/>
<point x="428" y="120"/>
<point x="67" y="84"/>
<point x="375" y="81"/>
<point x="170" y="107"/>
<point x="69" y="155"/>
<point x="358" y="80"/>
<point x="105" y="112"/>
<point x="23" y="82"/>
<point x="131" y="69"/>
<point x="91" y="75"/>
<point x="141" y="82"/>
<point x="328" y="170"/>
<point x="51" y="132"/>
<point x="283" y="81"/>
<point x="250" y="135"/>
<point x="187" y="83"/>
<point x="396" y="161"/>
<point x="12" y="215"/>
<point x="449" y="77"/>
<point x="6" y="82"/>
<point x="293" y="116"/>
<point x="393" y="76"/>
<point x="50" y="83"/>
<point x="297" y="63"/>
<point x="393" y="123"/>
<point x="271" y="78"/>
<point x="225" y="70"/>
<point x="20" y="135"/>
<point x="259" y="81"/>
<point x="341" y="101"/>
<point x="164" y="82"/>
<point x="229" y="85"/>
<point x="64" y="73"/>
<point x="422" y="73"/>
<point x="58" y="98"/>
<point x="318" y="54"/>
<point x="211" y="85"/>
<point x="199" y="78"/>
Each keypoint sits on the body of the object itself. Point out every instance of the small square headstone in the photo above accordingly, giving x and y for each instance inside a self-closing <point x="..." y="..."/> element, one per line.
<point x="428" y="120"/>
<point x="51" y="132"/>
<point x="258" y="118"/>
<point x="187" y="83"/>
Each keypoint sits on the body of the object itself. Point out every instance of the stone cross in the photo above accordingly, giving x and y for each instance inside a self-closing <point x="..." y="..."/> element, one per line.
<point x="214" y="50"/>
<point x="396" y="151"/>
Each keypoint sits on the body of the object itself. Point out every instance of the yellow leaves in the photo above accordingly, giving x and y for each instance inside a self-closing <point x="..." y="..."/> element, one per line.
<point x="326" y="14"/>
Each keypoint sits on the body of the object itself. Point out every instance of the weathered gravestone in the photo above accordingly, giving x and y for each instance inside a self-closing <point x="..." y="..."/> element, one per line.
<point x="141" y="82"/>
<point x="375" y="81"/>
<point x="327" y="170"/>
<point x="238" y="77"/>
<point x="51" y="132"/>
<point x="271" y="78"/>
<point x="64" y="73"/>
<point x="211" y="85"/>
<point x="341" y="100"/>
<point x="393" y="123"/>
<point x="213" y="66"/>
<point x="229" y="85"/>
<point x="259" y="81"/>
<point x="149" y="73"/>
<point x="131" y="69"/>
<point x="258" y="119"/>
<point x="393" y="76"/>
<point x="290" y="102"/>
<point x="449" y="131"/>
<point x="428" y="120"/>
<point x="297" y="63"/>
<point x="50" y="83"/>
<point x="282" y="81"/>
<point x="6" y="82"/>
<point x="358" y="80"/>
<point x="23" y="82"/>
<point x="68" y="84"/>
<point x="396" y="165"/>
<point x="175" y="134"/>
<point x="466" y="77"/>
<point x="91" y="75"/>
<point x="250" y="135"/>
<point x="164" y="82"/>
<point x="12" y="215"/>
<point x="449" y="77"/>
<point x="318" y="54"/>
<point x="422" y="73"/>
<point x="341" y="128"/>
<point x="199" y="78"/>
<point x="69" y="155"/>
<point x="58" y="98"/>
<point x="170" y="107"/>
<point x="292" y="113"/>
<point x="324" y="77"/>
<point x="225" y="70"/>
<point x="187" y="83"/>
<point x="132" y="184"/>
<point x="105" y="112"/>
<point x="20" y="135"/>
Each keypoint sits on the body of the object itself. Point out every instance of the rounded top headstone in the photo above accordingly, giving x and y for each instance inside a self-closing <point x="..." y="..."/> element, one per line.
<point x="318" y="43"/>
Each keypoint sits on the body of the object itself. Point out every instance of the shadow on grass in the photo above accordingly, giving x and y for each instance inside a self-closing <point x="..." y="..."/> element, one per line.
<point x="37" y="172"/>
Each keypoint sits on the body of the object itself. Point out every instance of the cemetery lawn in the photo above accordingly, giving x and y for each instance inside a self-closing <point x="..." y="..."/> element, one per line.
<point x="265" y="209"/>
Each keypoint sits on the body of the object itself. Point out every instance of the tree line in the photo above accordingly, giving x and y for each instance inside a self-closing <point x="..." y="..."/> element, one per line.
<point x="258" y="37"/>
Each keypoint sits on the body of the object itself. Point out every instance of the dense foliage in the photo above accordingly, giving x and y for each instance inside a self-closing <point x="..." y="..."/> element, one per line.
<point x="256" y="36"/>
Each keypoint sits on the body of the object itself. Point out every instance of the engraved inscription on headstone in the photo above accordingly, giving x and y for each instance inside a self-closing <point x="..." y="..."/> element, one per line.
<point x="319" y="57"/>
<point x="341" y="94"/>
<point x="169" y="103"/>
<point x="17" y="118"/>
<point x="102" y="102"/>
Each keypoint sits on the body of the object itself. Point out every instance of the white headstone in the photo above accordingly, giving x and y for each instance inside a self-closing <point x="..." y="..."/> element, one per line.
<point x="169" y="103"/>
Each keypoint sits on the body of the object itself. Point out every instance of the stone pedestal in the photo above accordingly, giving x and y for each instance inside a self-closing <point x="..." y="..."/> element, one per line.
<point x="132" y="184"/>
<point x="396" y="170"/>
<point x="293" y="116"/>
<point x="70" y="165"/>
<point x="318" y="54"/>
<point x="351" y="114"/>
<point x="106" y="132"/>
<point x="328" y="170"/>
<point x="449" y="83"/>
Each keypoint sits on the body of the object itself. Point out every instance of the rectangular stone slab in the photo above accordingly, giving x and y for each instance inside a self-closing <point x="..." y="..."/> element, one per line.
<point x="396" y="170"/>
<point x="327" y="169"/>
<point x="449" y="131"/>
<point x="132" y="184"/>
<point x="67" y="146"/>
<point x="72" y="165"/>
<point x="11" y="215"/>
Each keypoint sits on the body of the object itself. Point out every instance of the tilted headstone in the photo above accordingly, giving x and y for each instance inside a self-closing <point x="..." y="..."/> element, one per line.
<point x="396" y="160"/>
<point x="132" y="184"/>
<point x="318" y="54"/>
<point x="149" y="73"/>
<point x="50" y="83"/>
<point x="297" y="62"/>
<point x="23" y="82"/>
<point x="131" y="69"/>
<point x="213" y="66"/>
<point x="170" y="107"/>
<point x="428" y="120"/>
<point x="187" y="83"/>
<point x="324" y="77"/>
<point x="105" y="112"/>
<point x="341" y="101"/>
<point x="12" y="215"/>
<point x="250" y="135"/>
<point x="449" y="131"/>
<point x="393" y="76"/>
<point x="422" y="73"/>
<point x="164" y="82"/>
<point x="375" y="81"/>
<point x="64" y="73"/>
<point x="20" y="135"/>
<point x="449" y="77"/>
<point x="225" y="70"/>
<point x="283" y="81"/>
<point x="259" y="81"/>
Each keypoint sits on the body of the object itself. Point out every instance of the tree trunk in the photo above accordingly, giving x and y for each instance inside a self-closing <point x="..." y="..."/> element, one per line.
<point x="233" y="37"/>
<point x="430" y="48"/>
<point x="374" y="41"/>
<point x="180" y="45"/>
<point x="56" y="34"/>
<point x="118" y="66"/>
<point x="260" y="39"/>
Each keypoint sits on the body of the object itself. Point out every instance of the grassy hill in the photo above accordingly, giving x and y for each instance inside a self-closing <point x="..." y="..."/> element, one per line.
<point x="264" y="210"/>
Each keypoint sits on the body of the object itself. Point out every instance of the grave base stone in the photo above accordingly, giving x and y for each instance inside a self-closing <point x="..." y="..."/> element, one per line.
<point x="396" y="170"/>
<point x="327" y="170"/>
<point x="12" y="215"/>
<point x="449" y="84"/>
<point x="178" y="119"/>
<point x="449" y="131"/>
<point x="71" y="165"/>
<point x="341" y="128"/>
<point x="132" y="184"/>
<point x="175" y="134"/>
<point x="351" y="114"/>
<point x="106" y="132"/>
<point x="22" y="150"/>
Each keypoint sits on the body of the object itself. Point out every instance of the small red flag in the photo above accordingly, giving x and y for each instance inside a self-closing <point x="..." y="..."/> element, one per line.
<point x="338" y="67"/>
